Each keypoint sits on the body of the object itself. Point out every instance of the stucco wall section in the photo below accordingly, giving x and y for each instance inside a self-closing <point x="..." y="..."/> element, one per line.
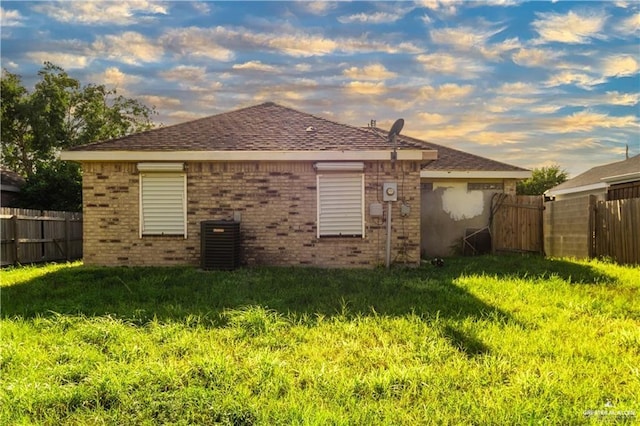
<point x="277" y="204"/>
<point x="449" y="209"/>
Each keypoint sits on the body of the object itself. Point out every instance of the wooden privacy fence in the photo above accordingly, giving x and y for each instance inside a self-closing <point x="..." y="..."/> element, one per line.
<point x="30" y="236"/>
<point x="516" y="223"/>
<point x="617" y="230"/>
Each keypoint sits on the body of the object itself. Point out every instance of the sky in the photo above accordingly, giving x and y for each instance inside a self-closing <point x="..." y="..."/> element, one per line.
<point x="531" y="84"/>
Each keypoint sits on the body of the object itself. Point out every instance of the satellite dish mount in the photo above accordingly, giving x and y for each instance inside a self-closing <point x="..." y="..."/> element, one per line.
<point x="395" y="131"/>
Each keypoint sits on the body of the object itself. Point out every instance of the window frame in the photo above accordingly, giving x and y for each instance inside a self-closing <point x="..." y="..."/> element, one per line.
<point x="156" y="172"/>
<point x="321" y="204"/>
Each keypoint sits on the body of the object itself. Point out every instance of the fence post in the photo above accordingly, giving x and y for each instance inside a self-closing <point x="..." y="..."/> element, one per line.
<point x="16" y="251"/>
<point x="592" y="226"/>
<point x="67" y="236"/>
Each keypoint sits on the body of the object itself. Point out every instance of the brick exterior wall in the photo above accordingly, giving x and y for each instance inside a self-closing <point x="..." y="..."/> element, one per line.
<point x="277" y="203"/>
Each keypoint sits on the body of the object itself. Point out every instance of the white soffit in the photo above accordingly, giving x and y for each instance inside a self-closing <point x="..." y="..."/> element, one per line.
<point x="576" y="189"/>
<point x="370" y="155"/>
<point x="477" y="174"/>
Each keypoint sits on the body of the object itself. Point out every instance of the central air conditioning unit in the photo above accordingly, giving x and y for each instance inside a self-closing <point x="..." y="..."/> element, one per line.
<point x="219" y="244"/>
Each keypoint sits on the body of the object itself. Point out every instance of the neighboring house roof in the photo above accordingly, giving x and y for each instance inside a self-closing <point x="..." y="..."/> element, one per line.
<point x="453" y="163"/>
<point x="267" y="127"/>
<point x="10" y="181"/>
<point x="600" y="177"/>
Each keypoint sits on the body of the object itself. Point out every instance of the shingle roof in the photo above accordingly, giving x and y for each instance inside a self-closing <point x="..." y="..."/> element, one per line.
<point x="450" y="159"/>
<point x="264" y="127"/>
<point x="272" y="127"/>
<point x="597" y="174"/>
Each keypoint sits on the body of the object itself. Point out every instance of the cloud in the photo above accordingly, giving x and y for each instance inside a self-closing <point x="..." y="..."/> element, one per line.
<point x="129" y="48"/>
<point x="185" y="73"/>
<point x="365" y="88"/>
<point x="287" y="40"/>
<point x="468" y="39"/>
<point x="101" y="13"/>
<point x="432" y="118"/>
<point x="445" y="92"/>
<point x="254" y="66"/>
<point x="545" y="109"/>
<point x="113" y="77"/>
<point x="160" y="102"/>
<point x="534" y="57"/>
<point x="620" y="66"/>
<point x="445" y="63"/>
<point x="518" y="88"/>
<point x="579" y="79"/>
<point x="198" y="42"/>
<point x="495" y="138"/>
<point x="631" y="25"/>
<point x="587" y="121"/>
<point x="10" y="18"/>
<point x="70" y="60"/>
<point x="201" y="7"/>
<point x="372" y="18"/>
<point x="369" y="72"/>
<point x="448" y="7"/>
<point x="319" y="8"/>
<point x="572" y="27"/>
<point x="626" y="99"/>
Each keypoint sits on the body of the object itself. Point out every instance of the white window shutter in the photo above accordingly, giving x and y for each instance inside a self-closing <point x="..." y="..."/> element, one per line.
<point x="340" y="204"/>
<point x="163" y="204"/>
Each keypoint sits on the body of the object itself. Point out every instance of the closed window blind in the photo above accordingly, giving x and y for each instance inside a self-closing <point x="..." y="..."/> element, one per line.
<point x="340" y="204"/>
<point x="163" y="204"/>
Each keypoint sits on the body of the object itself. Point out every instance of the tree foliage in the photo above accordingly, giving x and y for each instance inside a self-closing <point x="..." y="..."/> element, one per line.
<point x="60" y="113"/>
<point x="541" y="179"/>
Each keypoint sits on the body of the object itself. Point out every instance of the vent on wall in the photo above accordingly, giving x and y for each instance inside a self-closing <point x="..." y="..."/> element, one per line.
<point x="220" y="244"/>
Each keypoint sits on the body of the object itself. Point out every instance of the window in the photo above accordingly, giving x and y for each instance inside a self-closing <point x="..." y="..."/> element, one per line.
<point x="485" y="186"/>
<point x="163" y="191"/>
<point x="340" y="199"/>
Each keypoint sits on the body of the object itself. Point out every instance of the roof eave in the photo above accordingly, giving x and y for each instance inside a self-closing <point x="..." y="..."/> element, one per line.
<point x="365" y="155"/>
<point x="475" y="174"/>
<point x="576" y="189"/>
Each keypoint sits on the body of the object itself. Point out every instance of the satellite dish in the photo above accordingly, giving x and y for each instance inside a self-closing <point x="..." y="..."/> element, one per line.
<point x="396" y="128"/>
<point x="395" y="131"/>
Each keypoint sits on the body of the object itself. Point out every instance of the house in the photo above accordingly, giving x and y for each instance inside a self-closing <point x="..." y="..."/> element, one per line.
<point x="10" y="184"/>
<point x="611" y="181"/>
<point x="306" y="191"/>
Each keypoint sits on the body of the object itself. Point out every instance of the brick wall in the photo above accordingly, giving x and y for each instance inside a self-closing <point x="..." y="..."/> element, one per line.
<point x="567" y="227"/>
<point x="277" y="204"/>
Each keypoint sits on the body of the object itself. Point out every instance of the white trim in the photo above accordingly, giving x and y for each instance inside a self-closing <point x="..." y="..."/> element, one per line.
<point x="627" y="177"/>
<point x="576" y="189"/>
<point x="475" y="174"/>
<point x="344" y="166"/>
<point x="366" y="155"/>
<point x="161" y="167"/>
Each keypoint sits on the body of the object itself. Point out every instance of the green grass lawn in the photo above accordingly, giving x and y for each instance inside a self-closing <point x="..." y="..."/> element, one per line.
<point x="484" y="340"/>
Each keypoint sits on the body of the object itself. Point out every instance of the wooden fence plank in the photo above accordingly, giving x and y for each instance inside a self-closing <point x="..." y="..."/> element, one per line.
<point x="517" y="223"/>
<point x="30" y="236"/>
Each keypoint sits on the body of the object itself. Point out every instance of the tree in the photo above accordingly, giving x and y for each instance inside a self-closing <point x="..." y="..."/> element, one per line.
<point x="541" y="179"/>
<point x="60" y="113"/>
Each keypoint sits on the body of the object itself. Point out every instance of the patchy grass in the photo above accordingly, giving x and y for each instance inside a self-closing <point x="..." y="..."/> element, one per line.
<point x="486" y="340"/>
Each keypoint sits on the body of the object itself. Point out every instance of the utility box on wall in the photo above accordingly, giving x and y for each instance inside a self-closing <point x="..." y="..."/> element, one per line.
<point x="389" y="191"/>
<point x="219" y="244"/>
